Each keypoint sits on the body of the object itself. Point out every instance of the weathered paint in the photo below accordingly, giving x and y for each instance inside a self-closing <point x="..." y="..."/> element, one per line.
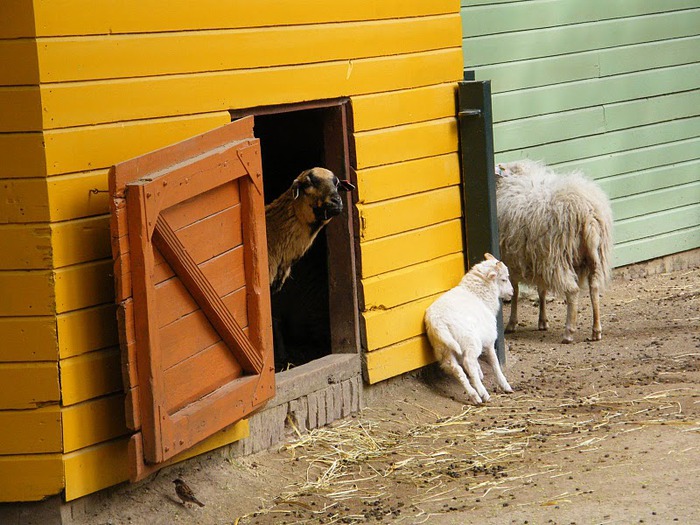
<point x="30" y="477"/>
<point x="28" y="385"/>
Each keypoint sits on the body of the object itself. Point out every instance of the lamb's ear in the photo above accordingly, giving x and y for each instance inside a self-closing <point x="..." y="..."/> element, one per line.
<point x="489" y="257"/>
<point x="492" y="275"/>
<point x="499" y="265"/>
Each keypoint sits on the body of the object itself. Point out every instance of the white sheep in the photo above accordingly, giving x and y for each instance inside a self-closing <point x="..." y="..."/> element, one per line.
<point x="555" y="231"/>
<point x="294" y="219"/>
<point x="461" y="324"/>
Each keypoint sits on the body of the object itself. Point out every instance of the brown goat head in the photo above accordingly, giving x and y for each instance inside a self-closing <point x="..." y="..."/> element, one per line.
<point x="315" y="192"/>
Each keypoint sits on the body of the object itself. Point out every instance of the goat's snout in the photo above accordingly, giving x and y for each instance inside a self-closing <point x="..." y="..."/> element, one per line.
<point x="331" y="207"/>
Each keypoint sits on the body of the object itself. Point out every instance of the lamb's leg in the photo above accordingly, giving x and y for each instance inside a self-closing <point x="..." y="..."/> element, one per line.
<point x="513" y="320"/>
<point x="450" y="365"/>
<point x="571" y="313"/>
<point x="597" y="333"/>
<point x="492" y="359"/>
<point x="470" y="362"/>
<point x="543" y="323"/>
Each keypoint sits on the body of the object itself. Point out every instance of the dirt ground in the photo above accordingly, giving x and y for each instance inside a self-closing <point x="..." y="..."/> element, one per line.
<point x="595" y="433"/>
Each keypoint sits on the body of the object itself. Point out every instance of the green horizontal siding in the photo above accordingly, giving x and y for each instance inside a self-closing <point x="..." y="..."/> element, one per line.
<point x="538" y="43"/>
<point x="610" y="87"/>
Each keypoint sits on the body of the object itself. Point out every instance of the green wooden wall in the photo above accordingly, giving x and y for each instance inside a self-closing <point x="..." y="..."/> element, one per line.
<point x="611" y="87"/>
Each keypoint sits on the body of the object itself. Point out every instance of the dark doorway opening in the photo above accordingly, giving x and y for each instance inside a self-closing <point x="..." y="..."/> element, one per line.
<point x="315" y="313"/>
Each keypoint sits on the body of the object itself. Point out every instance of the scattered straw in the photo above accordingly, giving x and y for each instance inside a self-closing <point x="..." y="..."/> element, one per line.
<point x="367" y="458"/>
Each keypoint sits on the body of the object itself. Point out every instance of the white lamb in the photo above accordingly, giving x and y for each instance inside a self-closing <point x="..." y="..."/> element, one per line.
<point x="461" y="324"/>
<point x="555" y="232"/>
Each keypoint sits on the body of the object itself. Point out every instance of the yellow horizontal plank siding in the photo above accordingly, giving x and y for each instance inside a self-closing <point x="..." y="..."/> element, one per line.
<point x="398" y="359"/>
<point x="93" y="422"/>
<point x="30" y="431"/>
<point x="127" y="56"/>
<point x="25" y="247"/>
<point x="23" y="200"/>
<point x="28" y="385"/>
<point x="79" y="17"/>
<point x="71" y="196"/>
<point x="407" y="284"/>
<point x="383" y="110"/>
<point x="405" y="249"/>
<point x="386" y="327"/>
<point x="73" y="104"/>
<point x="97" y="467"/>
<point x="412" y="141"/>
<point x="20" y="108"/>
<point x="84" y="285"/>
<point x="28" y="338"/>
<point x="90" y="375"/>
<point x="22" y="155"/>
<point x="89" y="148"/>
<point x="16" y="19"/>
<point x="19" y="65"/>
<point x="409" y="213"/>
<point x="405" y="178"/>
<point x="30" y="477"/>
<point x="81" y="240"/>
<point x="26" y="293"/>
<point x="82" y="331"/>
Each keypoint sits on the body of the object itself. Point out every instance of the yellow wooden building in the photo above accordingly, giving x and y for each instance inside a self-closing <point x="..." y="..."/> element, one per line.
<point x="86" y="84"/>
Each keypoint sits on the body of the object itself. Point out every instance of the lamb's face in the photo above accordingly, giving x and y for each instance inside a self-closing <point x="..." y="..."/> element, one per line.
<point x="319" y="188"/>
<point x="505" y="288"/>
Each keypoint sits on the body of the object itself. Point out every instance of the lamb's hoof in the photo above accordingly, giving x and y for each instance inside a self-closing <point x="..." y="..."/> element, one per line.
<point x="510" y="328"/>
<point x="543" y="325"/>
<point x="508" y="389"/>
<point x="567" y="339"/>
<point x="476" y="399"/>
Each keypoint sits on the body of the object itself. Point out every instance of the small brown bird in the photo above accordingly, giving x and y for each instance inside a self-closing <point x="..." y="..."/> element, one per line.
<point x="185" y="493"/>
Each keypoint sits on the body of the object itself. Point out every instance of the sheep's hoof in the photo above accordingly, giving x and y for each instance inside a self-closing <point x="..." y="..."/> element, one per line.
<point x="597" y="335"/>
<point x="508" y="389"/>
<point x="567" y="339"/>
<point x="510" y="328"/>
<point x="543" y="325"/>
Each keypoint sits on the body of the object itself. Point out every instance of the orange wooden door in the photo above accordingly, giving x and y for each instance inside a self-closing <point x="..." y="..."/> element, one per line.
<point x="188" y="228"/>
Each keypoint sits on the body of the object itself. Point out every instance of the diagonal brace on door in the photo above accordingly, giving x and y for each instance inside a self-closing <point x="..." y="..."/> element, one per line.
<point x="167" y="242"/>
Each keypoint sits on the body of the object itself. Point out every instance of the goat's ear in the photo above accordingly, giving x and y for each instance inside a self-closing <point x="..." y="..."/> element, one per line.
<point x="489" y="257"/>
<point x="346" y="185"/>
<point x="296" y="190"/>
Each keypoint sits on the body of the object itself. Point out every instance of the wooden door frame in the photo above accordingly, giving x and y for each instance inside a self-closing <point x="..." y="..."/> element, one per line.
<point x="344" y="310"/>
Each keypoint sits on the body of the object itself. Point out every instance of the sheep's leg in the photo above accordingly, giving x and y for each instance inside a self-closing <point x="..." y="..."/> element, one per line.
<point x="543" y="323"/>
<point x="513" y="319"/>
<point x="492" y="359"/>
<point x="470" y="362"/>
<point x="571" y="313"/>
<point x="597" y="334"/>
<point x="450" y="365"/>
